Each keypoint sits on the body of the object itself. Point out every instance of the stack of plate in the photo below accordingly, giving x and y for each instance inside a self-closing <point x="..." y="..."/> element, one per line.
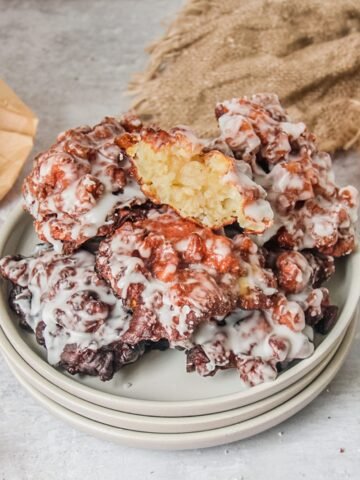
<point x="155" y="403"/>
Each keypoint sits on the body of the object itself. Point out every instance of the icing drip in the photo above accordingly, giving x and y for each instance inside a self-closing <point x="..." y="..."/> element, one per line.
<point x="79" y="185"/>
<point x="176" y="274"/>
<point x="65" y="293"/>
<point x="310" y="211"/>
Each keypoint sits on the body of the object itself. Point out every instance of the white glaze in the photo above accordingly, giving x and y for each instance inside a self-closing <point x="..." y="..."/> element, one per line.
<point x="247" y="334"/>
<point x="72" y="207"/>
<point x="50" y="291"/>
<point x="160" y="295"/>
<point x="313" y="183"/>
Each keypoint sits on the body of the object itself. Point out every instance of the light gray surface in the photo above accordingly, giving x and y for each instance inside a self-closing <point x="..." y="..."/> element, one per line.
<point x="70" y="61"/>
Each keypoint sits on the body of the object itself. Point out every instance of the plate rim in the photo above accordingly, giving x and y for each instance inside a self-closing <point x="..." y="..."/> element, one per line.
<point x="184" y="407"/>
<point x="206" y="439"/>
<point x="155" y="424"/>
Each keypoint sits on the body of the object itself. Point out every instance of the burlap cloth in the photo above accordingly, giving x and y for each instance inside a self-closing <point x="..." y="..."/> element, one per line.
<point x="308" y="52"/>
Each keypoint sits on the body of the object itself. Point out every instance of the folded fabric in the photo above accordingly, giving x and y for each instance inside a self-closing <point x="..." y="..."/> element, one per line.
<point x="307" y="52"/>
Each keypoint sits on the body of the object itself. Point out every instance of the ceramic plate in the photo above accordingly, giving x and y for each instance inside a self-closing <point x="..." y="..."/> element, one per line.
<point x="218" y="436"/>
<point x="158" y="383"/>
<point x="153" y="424"/>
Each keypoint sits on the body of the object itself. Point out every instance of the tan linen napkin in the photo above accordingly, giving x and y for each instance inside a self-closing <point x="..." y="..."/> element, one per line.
<point x="17" y="129"/>
<point x="308" y="52"/>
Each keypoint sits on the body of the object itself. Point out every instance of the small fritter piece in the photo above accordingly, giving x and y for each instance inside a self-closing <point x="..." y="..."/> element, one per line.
<point x="327" y="225"/>
<point x="319" y="312"/>
<point x="254" y="343"/>
<point x="78" y="188"/>
<point x="72" y="312"/>
<point x="258" y="127"/>
<point x="174" y="275"/>
<point x="297" y="270"/>
<point x="311" y="212"/>
<point x="201" y="184"/>
<point x="300" y="276"/>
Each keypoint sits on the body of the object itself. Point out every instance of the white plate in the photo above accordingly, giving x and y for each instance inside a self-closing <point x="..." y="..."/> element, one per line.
<point x="219" y="436"/>
<point x="159" y="383"/>
<point x="153" y="424"/>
